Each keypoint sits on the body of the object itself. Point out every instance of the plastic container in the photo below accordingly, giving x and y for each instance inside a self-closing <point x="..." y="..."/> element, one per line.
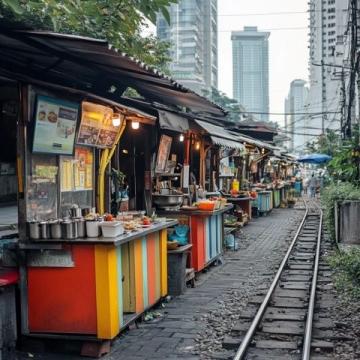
<point x="93" y="228"/>
<point x="235" y="185"/>
<point x="207" y="205"/>
<point x="112" y="228"/>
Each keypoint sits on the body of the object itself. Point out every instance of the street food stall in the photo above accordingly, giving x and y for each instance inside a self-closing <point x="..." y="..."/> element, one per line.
<point x="180" y="191"/>
<point x="111" y="268"/>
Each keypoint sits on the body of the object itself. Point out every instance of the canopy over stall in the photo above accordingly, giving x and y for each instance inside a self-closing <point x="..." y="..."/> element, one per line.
<point x="314" y="159"/>
<point x="92" y="66"/>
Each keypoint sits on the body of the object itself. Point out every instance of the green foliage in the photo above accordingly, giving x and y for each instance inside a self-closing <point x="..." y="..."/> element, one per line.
<point x="230" y="105"/>
<point x="118" y="21"/>
<point x="329" y="196"/>
<point x="347" y="266"/>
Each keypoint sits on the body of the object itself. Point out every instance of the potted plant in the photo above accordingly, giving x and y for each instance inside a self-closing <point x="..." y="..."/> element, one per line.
<point x="119" y="198"/>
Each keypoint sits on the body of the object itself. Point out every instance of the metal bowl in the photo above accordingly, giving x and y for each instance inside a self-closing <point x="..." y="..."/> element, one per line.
<point x="164" y="201"/>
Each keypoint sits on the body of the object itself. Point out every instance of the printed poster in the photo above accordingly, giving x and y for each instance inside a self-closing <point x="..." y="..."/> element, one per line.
<point x="55" y="126"/>
<point x="96" y="127"/>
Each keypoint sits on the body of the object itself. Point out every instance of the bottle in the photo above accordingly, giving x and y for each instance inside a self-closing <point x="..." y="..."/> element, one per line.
<point x="235" y="185"/>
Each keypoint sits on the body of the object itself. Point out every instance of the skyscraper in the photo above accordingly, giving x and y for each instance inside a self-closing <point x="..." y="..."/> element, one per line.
<point x="251" y="70"/>
<point x="296" y="121"/>
<point x="328" y="20"/>
<point x="193" y="36"/>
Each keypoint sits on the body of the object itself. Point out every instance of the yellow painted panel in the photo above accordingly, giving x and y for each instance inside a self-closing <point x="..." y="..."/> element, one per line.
<point x="163" y="263"/>
<point x="139" y="298"/>
<point x="106" y="292"/>
<point x="128" y="269"/>
<point x="157" y="265"/>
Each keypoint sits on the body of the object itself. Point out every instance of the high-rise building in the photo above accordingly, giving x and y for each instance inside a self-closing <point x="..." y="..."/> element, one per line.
<point x="328" y="22"/>
<point x="251" y="70"/>
<point x="192" y="34"/>
<point x="296" y="122"/>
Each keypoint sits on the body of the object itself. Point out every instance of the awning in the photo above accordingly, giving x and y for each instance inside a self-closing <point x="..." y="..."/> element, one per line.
<point x="227" y="143"/>
<point x="90" y="65"/>
<point x="172" y="121"/>
<point x="220" y="136"/>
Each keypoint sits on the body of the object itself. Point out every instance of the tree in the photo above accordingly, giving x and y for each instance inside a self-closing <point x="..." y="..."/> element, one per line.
<point x="231" y="105"/>
<point x="118" y="21"/>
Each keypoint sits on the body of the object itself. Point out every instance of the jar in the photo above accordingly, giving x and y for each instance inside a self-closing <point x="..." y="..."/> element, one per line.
<point x="55" y="229"/>
<point x="45" y="231"/>
<point x="34" y="230"/>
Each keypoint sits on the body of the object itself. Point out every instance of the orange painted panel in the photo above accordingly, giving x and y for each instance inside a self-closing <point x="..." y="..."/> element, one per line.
<point x="151" y="248"/>
<point x="139" y="301"/>
<point x="197" y="254"/>
<point x="63" y="300"/>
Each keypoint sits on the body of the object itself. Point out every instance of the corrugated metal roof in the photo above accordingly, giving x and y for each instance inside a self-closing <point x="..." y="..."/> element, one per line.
<point x="91" y="65"/>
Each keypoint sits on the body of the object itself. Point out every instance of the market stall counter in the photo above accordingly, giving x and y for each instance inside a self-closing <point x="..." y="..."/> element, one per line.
<point x="206" y="233"/>
<point x="95" y="286"/>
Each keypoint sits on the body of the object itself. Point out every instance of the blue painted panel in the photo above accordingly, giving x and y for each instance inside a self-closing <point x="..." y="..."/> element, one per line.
<point x="207" y="239"/>
<point x="213" y="236"/>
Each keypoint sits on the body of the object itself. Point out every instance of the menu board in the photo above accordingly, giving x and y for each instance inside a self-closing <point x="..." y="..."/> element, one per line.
<point x="55" y="126"/>
<point x="96" y="127"/>
<point x="77" y="172"/>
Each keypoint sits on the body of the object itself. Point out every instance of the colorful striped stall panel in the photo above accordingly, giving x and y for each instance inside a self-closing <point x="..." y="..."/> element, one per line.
<point x="108" y="325"/>
<point x="139" y="287"/>
<point x="120" y="285"/>
<point x="198" y="254"/>
<point x="163" y="263"/>
<point x="219" y="230"/>
<point x="157" y="266"/>
<point x="145" y="280"/>
<point x="207" y="226"/>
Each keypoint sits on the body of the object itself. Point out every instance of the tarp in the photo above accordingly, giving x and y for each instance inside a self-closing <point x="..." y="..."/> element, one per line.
<point x="172" y="121"/>
<point x="314" y="158"/>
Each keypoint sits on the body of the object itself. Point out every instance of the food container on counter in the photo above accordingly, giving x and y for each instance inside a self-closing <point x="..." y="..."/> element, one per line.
<point x="112" y="228"/>
<point x="45" y="232"/>
<point x="207" y="205"/>
<point x="93" y="228"/>
<point x="68" y="229"/>
<point x="55" y="229"/>
<point x="34" y="230"/>
<point x="80" y="225"/>
<point x="75" y="211"/>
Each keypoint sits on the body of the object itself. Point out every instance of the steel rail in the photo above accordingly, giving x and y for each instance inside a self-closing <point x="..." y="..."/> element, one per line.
<point x="310" y="315"/>
<point x="249" y="334"/>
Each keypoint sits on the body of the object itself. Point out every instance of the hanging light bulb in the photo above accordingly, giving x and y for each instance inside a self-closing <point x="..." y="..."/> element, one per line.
<point x="197" y="145"/>
<point x="135" y="125"/>
<point x="116" y="120"/>
<point x="181" y="137"/>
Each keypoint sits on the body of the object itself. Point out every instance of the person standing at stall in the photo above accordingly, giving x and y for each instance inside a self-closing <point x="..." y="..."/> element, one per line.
<point x="312" y="185"/>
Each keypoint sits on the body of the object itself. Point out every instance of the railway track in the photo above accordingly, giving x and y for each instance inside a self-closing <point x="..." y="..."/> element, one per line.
<point x="279" y="324"/>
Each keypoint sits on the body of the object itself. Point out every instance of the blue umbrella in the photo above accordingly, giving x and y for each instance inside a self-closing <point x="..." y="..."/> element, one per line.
<point x="314" y="158"/>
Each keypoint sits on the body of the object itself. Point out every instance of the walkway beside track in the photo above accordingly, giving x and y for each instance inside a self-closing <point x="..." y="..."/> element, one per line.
<point x="192" y="326"/>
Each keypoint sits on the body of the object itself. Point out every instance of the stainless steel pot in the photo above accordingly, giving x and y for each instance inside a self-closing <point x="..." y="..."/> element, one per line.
<point x="34" y="229"/>
<point x="55" y="229"/>
<point x="85" y="211"/>
<point x="80" y="226"/>
<point x="45" y="230"/>
<point x="68" y="230"/>
<point x="75" y="212"/>
<point x="165" y="201"/>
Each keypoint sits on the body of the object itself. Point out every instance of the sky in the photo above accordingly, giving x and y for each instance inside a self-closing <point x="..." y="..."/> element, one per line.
<point x="287" y="21"/>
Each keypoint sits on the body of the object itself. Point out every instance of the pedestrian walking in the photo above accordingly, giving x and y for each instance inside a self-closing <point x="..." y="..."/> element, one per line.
<point x="312" y="185"/>
<point x="305" y="185"/>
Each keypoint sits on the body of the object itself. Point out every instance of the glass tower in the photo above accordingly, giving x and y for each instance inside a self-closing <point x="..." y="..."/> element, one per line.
<point x="192" y="34"/>
<point x="251" y="70"/>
